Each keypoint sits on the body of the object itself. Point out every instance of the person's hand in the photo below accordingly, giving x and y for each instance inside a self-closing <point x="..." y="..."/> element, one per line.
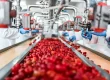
<point x="23" y="31"/>
<point x="99" y="34"/>
<point x="65" y="34"/>
<point x="35" y="31"/>
<point x="108" y="40"/>
<point x="86" y="34"/>
<point x="72" y="38"/>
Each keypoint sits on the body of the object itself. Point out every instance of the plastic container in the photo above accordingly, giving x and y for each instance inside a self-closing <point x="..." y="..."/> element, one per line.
<point x="4" y="14"/>
<point x="100" y="25"/>
<point x="26" y="21"/>
<point x="78" y="19"/>
<point x="99" y="30"/>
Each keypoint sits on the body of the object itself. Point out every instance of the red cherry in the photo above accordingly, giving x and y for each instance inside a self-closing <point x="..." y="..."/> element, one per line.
<point x="28" y="70"/>
<point x="17" y="77"/>
<point x="88" y="57"/>
<point x="50" y="59"/>
<point x="99" y="65"/>
<point x="33" y="78"/>
<point x="85" y="77"/>
<point x="38" y="73"/>
<point x="30" y="44"/>
<point x="51" y="73"/>
<point x="60" y="68"/>
<point x="107" y="71"/>
<point x="21" y="75"/>
<point x="59" y="77"/>
<point x="8" y="78"/>
<point x="34" y="59"/>
<point x="27" y="79"/>
<point x="34" y="41"/>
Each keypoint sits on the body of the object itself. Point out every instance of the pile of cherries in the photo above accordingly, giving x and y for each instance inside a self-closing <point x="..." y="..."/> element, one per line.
<point x="50" y="59"/>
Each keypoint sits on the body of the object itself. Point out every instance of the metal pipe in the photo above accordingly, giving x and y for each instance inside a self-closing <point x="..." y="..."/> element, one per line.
<point x="36" y="13"/>
<point x="62" y="6"/>
<point x="72" y="8"/>
<point x="63" y="1"/>
<point x="50" y="8"/>
<point x="36" y="6"/>
<point x="51" y="12"/>
<point x="18" y="10"/>
<point x="87" y="3"/>
<point x="63" y="18"/>
<point x="86" y="10"/>
<point x="67" y="14"/>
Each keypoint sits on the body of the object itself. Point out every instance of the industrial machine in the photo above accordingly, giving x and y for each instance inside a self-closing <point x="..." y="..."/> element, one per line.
<point x="59" y="29"/>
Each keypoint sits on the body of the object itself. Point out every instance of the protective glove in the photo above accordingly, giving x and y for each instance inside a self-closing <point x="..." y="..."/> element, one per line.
<point x="72" y="38"/>
<point x="86" y="34"/>
<point x="35" y="31"/>
<point x="99" y="34"/>
<point x="65" y="34"/>
<point x="22" y="31"/>
<point x="108" y="40"/>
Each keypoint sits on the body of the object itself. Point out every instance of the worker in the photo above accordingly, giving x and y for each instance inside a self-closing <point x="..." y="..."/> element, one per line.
<point x="23" y="31"/>
<point x="86" y="34"/>
<point x="72" y="36"/>
<point x="9" y="35"/>
<point x="65" y="35"/>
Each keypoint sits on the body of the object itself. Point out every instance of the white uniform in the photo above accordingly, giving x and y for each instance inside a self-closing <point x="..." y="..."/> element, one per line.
<point x="108" y="34"/>
<point x="78" y="36"/>
<point x="7" y="37"/>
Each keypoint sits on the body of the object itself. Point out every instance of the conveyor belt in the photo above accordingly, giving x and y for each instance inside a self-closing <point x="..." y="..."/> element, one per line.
<point x="6" y="69"/>
<point x="97" y="49"/>
<point x="105" y="64"/>
<point x="88" y="62"/>
<point x="9" y="55"/>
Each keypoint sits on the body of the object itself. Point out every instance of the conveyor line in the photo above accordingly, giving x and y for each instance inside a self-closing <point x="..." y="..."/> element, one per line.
<point x="6" y="70"/>
<point x="8" y="55"/>
<point x="88" y="62"/>
<point x="101" y="51"/>
<point x="105" y="64"/>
